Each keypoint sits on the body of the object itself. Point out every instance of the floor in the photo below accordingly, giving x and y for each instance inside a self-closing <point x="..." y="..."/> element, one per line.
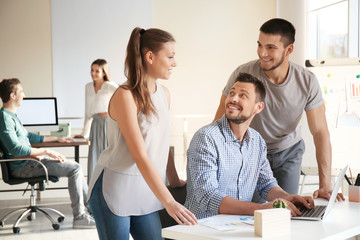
<point x="41" y="227"/>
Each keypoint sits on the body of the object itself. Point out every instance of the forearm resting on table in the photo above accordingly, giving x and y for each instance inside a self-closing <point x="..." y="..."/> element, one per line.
<point x="232" y="206"/>
<point x="277" y="192"/>
<point x="50" y="139"/>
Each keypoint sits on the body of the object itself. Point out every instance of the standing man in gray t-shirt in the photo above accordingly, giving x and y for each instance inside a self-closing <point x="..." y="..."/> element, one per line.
<point x="291" y="90"/>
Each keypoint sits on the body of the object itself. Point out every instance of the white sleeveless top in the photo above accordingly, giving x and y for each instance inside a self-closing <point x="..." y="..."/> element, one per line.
<point x="125" y="190"/>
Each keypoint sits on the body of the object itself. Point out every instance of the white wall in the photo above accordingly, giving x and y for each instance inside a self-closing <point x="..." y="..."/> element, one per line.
<point x="25" y="45"/>
<point x="84" y="30"/>
<point x="213" y="38"/>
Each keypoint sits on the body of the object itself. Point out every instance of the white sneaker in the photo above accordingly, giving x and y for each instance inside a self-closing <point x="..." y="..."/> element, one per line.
<point x="84" y="221"/>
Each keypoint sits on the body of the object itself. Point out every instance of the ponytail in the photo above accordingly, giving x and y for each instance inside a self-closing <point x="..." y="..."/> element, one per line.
<point x="140" y="42"/>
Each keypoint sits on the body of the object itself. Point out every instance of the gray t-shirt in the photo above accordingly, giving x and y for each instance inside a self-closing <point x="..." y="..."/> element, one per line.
<point x="278" y="123"/>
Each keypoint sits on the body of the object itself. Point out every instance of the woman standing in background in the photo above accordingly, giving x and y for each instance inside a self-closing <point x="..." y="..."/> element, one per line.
<point x="127" y="188"/>
<point x="97" y="97"/>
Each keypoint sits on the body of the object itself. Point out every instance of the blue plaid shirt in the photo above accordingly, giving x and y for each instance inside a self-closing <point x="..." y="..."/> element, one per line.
<point x="219" y="166"/>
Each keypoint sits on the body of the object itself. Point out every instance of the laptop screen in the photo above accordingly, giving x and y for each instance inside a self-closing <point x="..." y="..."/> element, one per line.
<point x="335" y="190"/>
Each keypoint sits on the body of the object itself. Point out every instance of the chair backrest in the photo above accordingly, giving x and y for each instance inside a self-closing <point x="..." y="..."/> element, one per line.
<point x="9" y="179"/>
<point x="4" y="168"/>
<point x="6" y="175"/>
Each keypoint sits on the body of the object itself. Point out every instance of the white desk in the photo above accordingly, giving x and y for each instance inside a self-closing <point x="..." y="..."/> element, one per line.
<point x="341" y="223"/>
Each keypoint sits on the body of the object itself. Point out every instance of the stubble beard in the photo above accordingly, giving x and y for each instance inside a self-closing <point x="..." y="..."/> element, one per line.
<point x="276" y="65"/>
<point x="239" y="118"/>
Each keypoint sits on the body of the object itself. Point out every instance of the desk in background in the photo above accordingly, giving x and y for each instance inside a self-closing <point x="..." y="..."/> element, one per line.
<point x="59" y="144"/>
<point x="76" y="146"/>
<point x="342" y="222"/>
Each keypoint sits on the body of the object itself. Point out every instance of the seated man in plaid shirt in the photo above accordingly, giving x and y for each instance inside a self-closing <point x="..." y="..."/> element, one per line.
<point x="227" y="160"/>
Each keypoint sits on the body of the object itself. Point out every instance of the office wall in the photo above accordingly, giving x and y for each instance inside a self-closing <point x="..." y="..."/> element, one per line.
<point x="295" y="12"/>
<point x="25" y="44"/>
<point x="84" y="30"/>
<point x="213" y="38"/>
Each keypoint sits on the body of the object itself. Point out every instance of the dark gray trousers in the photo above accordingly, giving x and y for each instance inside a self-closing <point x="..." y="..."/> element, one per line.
<point x="286" y="166"/>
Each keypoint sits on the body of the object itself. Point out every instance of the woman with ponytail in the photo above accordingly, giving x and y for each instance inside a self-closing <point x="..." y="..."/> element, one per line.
<point x="127" y="187"/>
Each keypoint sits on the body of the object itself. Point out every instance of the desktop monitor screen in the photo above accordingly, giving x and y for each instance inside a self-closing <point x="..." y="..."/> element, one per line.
<point x="35" y="112"/>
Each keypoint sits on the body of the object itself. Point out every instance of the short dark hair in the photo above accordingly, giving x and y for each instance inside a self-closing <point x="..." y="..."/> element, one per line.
<point x="282" y="27"/>
<point x="259" y="86"/>
<point x="8" y="86"/>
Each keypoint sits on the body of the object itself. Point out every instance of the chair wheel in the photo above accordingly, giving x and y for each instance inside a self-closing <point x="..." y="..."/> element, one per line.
<point x="29" y="217"/>
<point x="1" y="223"/>
<point x="16" y="229"/>
<point x="61" y="219"/>
<point x="56" y="226"/>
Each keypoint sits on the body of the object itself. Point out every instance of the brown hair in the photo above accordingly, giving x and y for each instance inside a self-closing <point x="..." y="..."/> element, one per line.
<point x="8" y="86"/>
<point x="259" y="86"/>
<point x="104" y="66"/>
<point x="140" y="42"/>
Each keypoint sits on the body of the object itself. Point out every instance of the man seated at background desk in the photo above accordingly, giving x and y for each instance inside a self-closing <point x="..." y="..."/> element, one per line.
<point x="227" y="160"/>
<point x="15" y="142"/>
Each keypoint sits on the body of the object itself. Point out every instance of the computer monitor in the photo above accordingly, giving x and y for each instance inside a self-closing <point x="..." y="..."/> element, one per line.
<point x="38" y="114"/>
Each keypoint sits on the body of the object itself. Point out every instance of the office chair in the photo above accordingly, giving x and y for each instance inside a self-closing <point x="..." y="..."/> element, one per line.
<point x="31" y="210"/>
<point x="179" y="195"/>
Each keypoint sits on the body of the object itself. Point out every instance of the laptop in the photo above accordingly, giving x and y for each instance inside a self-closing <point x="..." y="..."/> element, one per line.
<point x="319" y="212"/>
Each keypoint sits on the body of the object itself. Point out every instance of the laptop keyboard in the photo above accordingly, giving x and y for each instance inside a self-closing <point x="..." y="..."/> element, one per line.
<point x="315" y="212"/>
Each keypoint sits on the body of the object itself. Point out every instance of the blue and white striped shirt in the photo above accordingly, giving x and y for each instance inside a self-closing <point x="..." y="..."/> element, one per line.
<point x="219" y="166"/>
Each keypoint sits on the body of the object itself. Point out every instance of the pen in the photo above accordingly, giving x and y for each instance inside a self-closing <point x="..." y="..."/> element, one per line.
<point x="347" y="179"/>
<point x="350" y="175"/>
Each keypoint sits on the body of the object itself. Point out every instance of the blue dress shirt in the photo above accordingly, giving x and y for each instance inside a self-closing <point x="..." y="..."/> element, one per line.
<point x="219" y="166"/>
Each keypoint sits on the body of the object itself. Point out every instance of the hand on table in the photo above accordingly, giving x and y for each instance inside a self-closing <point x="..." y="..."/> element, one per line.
<point x="181" y="214"/>
<point x="326" y="193"/>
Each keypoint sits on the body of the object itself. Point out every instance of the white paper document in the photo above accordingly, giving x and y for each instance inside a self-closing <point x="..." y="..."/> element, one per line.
<point x="229" y="222"/>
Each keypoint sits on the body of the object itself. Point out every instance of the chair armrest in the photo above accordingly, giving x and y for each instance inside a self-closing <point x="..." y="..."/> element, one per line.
<point x="29" y="158"/>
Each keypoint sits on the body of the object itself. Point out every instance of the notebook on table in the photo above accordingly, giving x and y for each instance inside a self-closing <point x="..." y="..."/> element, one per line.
<point x="319" y="212"/>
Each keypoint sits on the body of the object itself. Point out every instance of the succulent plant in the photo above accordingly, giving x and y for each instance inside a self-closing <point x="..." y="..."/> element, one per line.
<point x="279" y="204"/>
